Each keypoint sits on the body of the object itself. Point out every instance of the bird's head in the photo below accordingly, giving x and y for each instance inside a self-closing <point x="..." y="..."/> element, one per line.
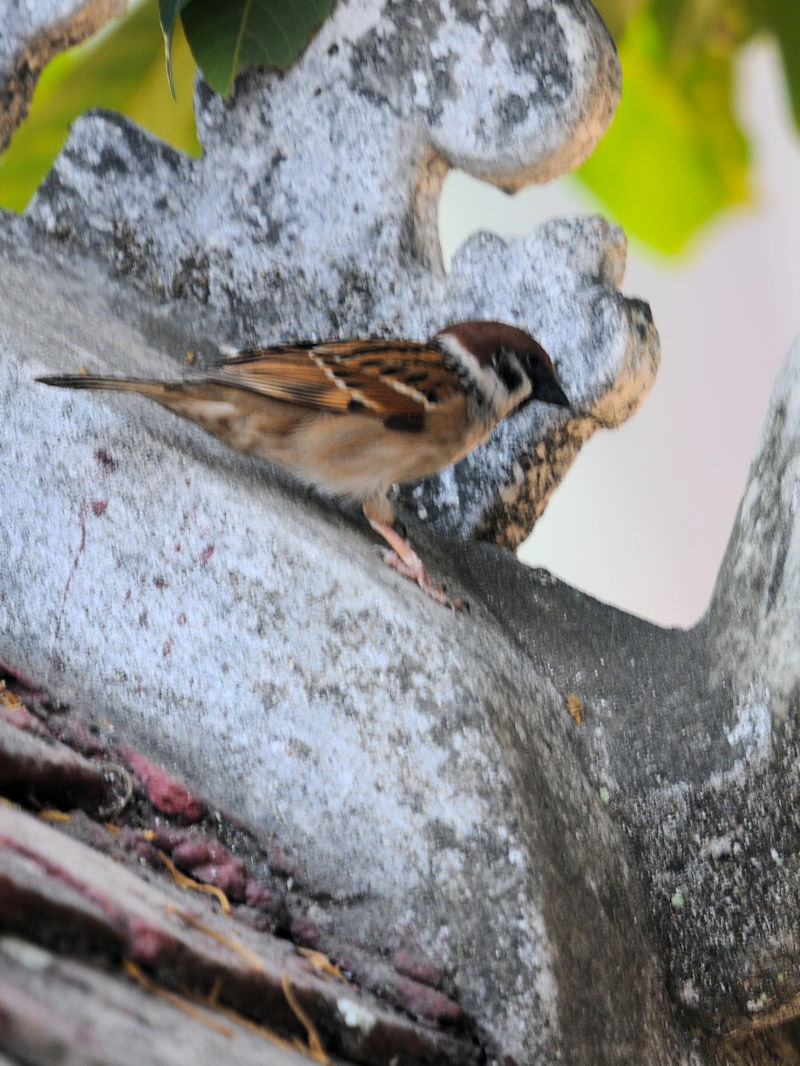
<point x="506" y="364"/>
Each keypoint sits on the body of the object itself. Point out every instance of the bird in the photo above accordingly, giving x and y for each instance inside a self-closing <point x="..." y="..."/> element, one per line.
<point x="351" y="418"/>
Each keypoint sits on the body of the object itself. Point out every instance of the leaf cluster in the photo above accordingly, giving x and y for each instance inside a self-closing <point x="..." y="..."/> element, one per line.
<point x="121" y="68"/>
<point x="673" y="159"/>
<point x="675" y="155"/>
<point x="225" y="35"/>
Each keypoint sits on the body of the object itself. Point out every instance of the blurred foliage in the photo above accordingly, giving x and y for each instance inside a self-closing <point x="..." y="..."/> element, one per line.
<point x="120" y="68"/>
<point x="673" y="158"/>
<point x="675" y="155"/>
<point x="225" y="35"/>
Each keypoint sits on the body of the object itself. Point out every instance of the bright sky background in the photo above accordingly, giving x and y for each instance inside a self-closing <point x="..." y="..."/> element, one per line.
<point x="643" y="517"/>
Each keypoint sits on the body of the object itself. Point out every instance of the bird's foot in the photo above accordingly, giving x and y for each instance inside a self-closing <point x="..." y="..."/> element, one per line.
<point x="414" y="569"/>
<point x="405" y="561"/>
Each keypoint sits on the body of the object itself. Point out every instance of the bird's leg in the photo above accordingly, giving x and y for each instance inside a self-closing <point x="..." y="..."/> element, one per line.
<point x="402" y="557"/>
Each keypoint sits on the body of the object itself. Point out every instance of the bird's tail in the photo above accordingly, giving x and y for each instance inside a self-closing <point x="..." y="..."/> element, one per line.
<point x="79" y="381"/>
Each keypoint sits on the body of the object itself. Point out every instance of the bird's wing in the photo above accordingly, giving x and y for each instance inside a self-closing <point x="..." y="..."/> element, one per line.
<point x="398" y="382"/>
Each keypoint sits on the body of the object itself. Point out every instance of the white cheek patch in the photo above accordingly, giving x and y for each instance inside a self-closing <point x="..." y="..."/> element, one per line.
<point x="485" y="379"/>
<point x="497" y="396"/>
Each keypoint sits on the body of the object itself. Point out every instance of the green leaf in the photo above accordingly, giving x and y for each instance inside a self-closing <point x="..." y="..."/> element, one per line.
<point x="790" y="52"/>
<point x="120" y="68"/>
<point x="168" y="11"/>
<point x="674" y="155"/>
<point x="617" y="14"/>
<point x="225" y="36"/>
<point x="782" y="18"/>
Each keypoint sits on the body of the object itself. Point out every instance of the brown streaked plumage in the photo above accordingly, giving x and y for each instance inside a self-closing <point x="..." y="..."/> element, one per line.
<point x="354" y="417"/>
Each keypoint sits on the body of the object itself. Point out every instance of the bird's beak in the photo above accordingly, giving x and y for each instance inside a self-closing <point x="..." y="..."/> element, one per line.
<point x="551" y="392"/>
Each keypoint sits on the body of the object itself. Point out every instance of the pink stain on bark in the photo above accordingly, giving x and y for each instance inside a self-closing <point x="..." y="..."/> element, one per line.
<point x="163" y="790"/>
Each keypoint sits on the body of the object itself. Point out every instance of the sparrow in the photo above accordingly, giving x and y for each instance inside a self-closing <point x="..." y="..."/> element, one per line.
<point x="353" y="417"/>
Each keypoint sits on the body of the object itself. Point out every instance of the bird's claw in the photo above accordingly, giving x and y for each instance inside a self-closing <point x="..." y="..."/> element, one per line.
<point x="415" y="570"/>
